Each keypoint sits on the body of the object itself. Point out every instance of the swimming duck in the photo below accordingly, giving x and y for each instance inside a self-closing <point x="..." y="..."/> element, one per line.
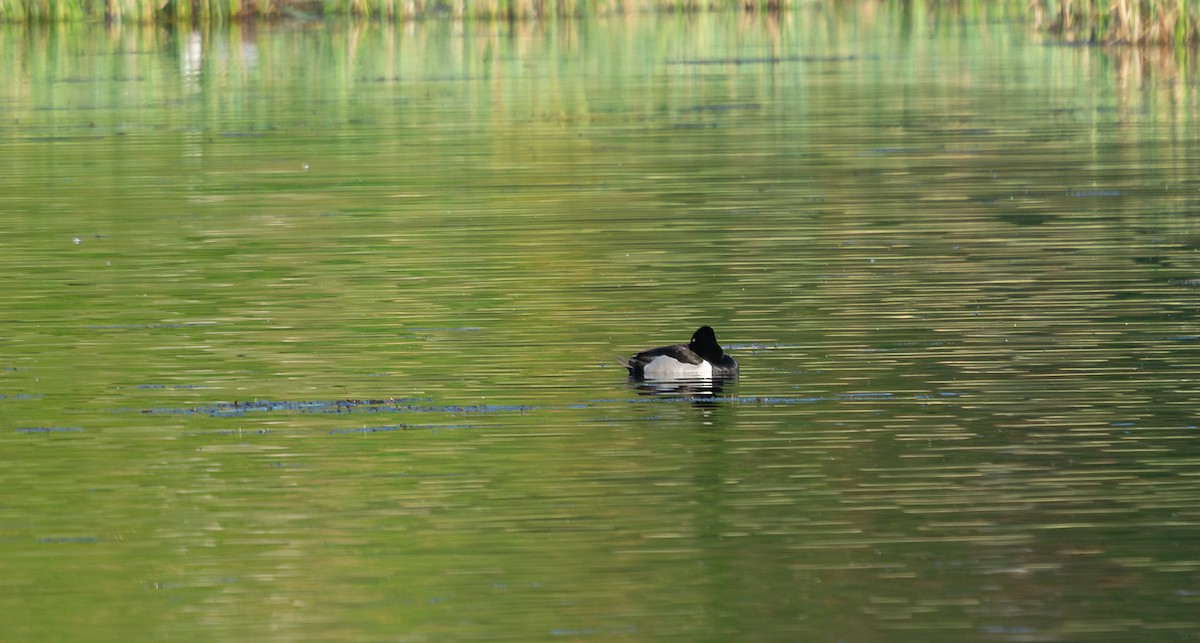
<point x="699" y="359"/>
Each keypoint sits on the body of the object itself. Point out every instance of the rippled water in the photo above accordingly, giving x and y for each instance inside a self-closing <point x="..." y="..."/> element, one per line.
<point x="313" y="333"/>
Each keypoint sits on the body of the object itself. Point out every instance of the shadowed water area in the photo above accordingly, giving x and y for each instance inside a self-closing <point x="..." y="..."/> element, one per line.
<point x="312" y="332"/>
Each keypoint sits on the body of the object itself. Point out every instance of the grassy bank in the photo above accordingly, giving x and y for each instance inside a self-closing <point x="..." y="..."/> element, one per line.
<point x="1120" y="21"/>
<point x="1102" y="21"/>
<point x="173" y="10"/>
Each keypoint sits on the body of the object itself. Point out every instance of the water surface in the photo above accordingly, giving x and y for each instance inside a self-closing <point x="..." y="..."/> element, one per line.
<point x="312" y="332"/>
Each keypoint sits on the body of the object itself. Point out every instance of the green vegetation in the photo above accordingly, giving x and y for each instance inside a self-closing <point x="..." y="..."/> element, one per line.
<point x="1101" y="21"/>
<point x="1120" y="21"/>
<point x="167" y="10"/>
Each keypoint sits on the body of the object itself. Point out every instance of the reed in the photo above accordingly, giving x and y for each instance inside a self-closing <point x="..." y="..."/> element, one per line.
<point x="1107" y="21"/>
<point x="1120" y="21"/>
<point x="223" y="10"/>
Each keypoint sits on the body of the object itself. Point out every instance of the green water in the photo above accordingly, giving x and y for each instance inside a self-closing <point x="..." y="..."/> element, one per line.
<point x="310" y="332"/>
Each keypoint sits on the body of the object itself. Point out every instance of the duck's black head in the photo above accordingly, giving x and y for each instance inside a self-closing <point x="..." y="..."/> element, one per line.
<point x="704" y="343"/>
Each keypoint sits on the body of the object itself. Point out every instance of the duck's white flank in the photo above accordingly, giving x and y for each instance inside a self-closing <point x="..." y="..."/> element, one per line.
<point x="663" y="367"/>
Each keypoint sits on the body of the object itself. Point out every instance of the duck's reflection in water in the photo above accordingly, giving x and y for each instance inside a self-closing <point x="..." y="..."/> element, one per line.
<point x="710" y="391"/>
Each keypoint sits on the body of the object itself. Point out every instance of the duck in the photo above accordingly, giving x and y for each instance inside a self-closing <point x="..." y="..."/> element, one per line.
<point x="699" y="359"/>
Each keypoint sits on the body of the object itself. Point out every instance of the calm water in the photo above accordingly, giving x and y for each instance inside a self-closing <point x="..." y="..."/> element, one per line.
<point x="310" y="333"/>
